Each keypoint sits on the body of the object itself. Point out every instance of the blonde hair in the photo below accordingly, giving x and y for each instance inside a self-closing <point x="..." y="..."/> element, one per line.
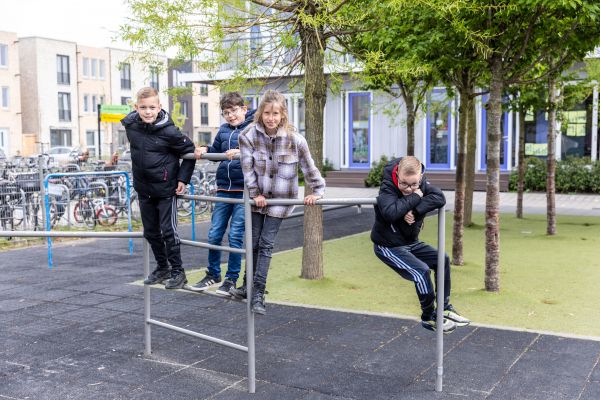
<point x="274" y="97"/>
<point x="410" y="165"/>
<point x="146" y="92"/>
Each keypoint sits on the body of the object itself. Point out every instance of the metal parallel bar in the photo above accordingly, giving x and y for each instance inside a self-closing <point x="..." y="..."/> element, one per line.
<point x="128" y="200"/>
<point x="210" y="156"/>
<point x="147" y="304"/>
<point x="249" y="285"/>
<point x="198" y="335"/>
<point x="441" y="271"/>
<point x="212" y="246"/>
<point x="288" y="202"/>
<point x="72" y="234"/>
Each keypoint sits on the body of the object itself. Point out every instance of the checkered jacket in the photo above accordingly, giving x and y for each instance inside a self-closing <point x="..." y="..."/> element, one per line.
<point x="270" y="166"/>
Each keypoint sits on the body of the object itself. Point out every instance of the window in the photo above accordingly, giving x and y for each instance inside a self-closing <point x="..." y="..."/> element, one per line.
<point x="60" y="137"/>
<point x="94" y="68"/>
<point x="203" y="89"/>
<point x="94" y="104"/>
<point x="184" y="108"/>
<point x="204" y="138"/>
<point x="101" y="99"/>
<point x="86" y="67"/>
<point x="64" y="107"/>
<point x="4" y="139"/>
<point x="438" y="126"/>
<point x="125" y="101"/>
<point x="62" y="70"/>
<point x="86" y="103"/>
<point x="101" y="66"/>
<point x="3" y="55"/>
<point x="154" y="77"/>
<point x="125" y="76"/>
<point x="359" y="108"/>
<point x="5" y="97"/>
<point x="203" y="113"/>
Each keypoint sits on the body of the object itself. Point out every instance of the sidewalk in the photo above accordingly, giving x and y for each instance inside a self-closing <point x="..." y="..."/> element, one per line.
<point x="76" y="332"/>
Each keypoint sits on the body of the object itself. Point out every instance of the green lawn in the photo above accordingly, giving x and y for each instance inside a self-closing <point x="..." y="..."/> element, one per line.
<point x="547" y="283"/>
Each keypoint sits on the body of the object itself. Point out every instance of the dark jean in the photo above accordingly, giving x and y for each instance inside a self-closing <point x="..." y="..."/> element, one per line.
<point x="264" y="231"/>
<point x="221" y="215"/>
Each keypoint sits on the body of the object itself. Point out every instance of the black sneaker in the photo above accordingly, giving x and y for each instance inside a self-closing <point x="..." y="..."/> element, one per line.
<point x="206" y="282"/>
<point x="239" y="293"/>
<point x="225" y="288"/>
<point x="157" y="276"/>
<point x="258" y="302"/>
<point x="177" y="281"/>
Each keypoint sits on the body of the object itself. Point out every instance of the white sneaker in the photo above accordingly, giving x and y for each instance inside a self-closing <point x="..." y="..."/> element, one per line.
<point x="453" y="315"/>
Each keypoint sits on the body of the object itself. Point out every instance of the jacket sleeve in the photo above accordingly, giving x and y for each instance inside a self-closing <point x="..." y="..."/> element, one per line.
<point x="393" y="207"/>
<point x="247" y="161"/>
<point x="180" y="144"/>
<point x="433" y="198"/>
<point x="312" y="176"/>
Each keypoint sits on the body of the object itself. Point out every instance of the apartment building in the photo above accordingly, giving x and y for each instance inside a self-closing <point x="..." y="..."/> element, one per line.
<point x="93" y="89"/>
<point x="200" y="107"/>
<point x="127" y="77"/>
<point x="10" y="95"/>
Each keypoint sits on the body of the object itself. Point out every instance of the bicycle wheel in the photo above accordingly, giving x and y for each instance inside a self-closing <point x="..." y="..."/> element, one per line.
<point x="106" y="215"/>
<point x="83" y="213"/>
<point x="184" y="207"/>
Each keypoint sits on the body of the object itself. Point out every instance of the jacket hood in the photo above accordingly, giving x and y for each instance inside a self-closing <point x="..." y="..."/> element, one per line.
<point x="162" y="120"/>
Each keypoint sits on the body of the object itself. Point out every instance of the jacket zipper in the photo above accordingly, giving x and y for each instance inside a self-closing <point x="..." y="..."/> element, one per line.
<point x="229" y="163"/>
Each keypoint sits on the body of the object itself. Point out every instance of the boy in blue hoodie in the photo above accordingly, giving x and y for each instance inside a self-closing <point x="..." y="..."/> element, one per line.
<point x="156" y="147"/>
<point x="230" y="184"/>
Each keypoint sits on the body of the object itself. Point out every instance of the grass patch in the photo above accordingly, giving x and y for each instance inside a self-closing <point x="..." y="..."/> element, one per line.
<point x="547" y="283"/>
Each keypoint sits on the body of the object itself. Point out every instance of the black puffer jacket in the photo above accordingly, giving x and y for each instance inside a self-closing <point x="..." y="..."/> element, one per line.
<point x="390" y="229"/>
<point x="155" y="152"/>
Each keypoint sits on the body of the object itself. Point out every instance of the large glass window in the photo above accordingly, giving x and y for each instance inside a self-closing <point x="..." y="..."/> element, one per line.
<point x="204" y="138"/>
<point x="94" y="68"/>
<point x="576" y="129"/>
<point x="64" y="107"/>
<point x="203" y="89"/>
<point x="125" y="76"/>
<point x="62" y="70"/>
<point x="3" y="55"/>
<point x="101" y="66"/>
<point x="86" y="67"/>
<point x="359" y="105"/>
<point x="438" y="129"/>
<point x="203" y="113"/>
<point x="154" y="77"/>
<point x="60" y="137"/>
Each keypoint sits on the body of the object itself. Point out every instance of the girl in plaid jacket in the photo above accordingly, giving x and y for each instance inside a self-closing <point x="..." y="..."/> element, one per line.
<point x="271" y="151"/>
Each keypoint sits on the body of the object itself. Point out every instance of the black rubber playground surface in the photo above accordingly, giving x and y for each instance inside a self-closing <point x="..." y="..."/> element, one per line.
<point x="76" y="332"/>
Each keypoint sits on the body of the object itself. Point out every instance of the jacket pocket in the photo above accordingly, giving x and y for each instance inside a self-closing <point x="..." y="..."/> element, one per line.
<point x="287" y="166"/>
<point x="260" y="162"/>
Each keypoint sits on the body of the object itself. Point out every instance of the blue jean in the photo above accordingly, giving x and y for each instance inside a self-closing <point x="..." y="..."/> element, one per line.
<point x="264" y="231"/>
<point x="221" y="215"/>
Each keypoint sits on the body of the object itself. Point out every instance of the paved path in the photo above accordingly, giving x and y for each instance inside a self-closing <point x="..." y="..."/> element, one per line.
<point x="76" y="332"/>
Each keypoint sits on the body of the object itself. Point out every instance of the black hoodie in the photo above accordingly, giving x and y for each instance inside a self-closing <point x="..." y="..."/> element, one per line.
<point x="390" y="229"/>
<point x="155" y="152"/>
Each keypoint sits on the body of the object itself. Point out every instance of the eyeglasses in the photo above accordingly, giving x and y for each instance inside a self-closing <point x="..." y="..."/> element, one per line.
<point x="228" y="113"/>
<point x="404" y="185"/>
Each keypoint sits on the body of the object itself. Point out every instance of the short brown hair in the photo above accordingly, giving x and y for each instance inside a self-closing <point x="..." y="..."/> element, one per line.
<point x="231" y="99"/>
<point x="146" y="92"/>
<point x="409" y="165"/>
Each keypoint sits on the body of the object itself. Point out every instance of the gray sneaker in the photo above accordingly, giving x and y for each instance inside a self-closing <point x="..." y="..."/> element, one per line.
<point x="226" y="287"/>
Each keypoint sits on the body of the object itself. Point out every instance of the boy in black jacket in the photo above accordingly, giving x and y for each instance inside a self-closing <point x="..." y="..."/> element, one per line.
<point x="405" y="197"/>
<point x="156" y="146"/>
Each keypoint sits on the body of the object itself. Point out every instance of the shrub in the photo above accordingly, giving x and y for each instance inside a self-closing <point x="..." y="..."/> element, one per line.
<point x="376" y="172"/>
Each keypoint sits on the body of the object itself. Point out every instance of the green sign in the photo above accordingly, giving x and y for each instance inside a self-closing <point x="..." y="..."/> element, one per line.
<point x="113" y="113"/>
<point x="536" y="149"/>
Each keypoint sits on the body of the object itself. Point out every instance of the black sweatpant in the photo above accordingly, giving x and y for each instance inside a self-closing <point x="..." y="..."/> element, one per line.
<point x="159" y="217"/>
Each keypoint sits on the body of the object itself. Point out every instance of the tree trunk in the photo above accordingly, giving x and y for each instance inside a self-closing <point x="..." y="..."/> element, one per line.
<point x="470" y="162"/>
<point x="459" y="192"/>
<point x="315" y="94"/>
<point x="551" y="160"/>
<point x="410" y="124"/>
<point x="492" y="201"/>
<point x="521" y="161"/>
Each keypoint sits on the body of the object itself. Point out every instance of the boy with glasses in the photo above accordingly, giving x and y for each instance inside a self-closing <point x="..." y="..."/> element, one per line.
<point x="230" y="184"/>
<point x="405" y="197"/>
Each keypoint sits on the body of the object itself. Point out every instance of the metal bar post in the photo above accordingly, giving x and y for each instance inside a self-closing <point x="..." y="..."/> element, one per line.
<point x="249" y="287"/>
<point x="440" y="298"/>
<point x="147" y="327"/>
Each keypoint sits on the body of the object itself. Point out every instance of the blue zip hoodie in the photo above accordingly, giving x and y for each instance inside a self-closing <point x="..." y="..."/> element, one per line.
<point x="229" y="173"/>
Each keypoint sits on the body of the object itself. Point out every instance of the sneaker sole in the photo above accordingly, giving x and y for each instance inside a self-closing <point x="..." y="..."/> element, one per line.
<point x="433" y="329"/>
<point x="197" y="289"/>
<point x="259" y="312"/>
<point x="223" y="293"/>
<point x="180" y="286"/>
